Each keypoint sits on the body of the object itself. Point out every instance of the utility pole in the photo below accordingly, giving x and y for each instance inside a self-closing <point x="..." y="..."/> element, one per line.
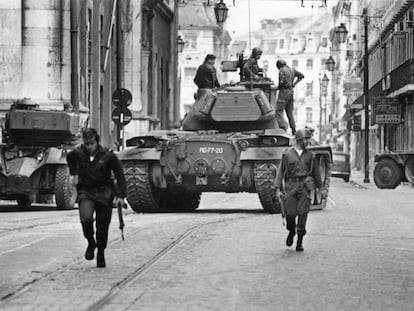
<point x="366" y="96"/>
<point x="74" y="49"/>
<point x="120" y="68"/>
<point x="96" y="65"/>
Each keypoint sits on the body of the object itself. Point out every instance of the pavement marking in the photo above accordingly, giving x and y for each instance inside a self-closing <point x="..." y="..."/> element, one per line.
<point x="21" y="246"/>
<point x="332" y="201"/>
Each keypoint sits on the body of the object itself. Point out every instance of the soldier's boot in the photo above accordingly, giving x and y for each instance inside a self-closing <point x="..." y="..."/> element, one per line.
<point x="87" y="228"/>
<point x="299" y="245"/>
<point x="100" y="258"/>
<point x="289" y="239"/>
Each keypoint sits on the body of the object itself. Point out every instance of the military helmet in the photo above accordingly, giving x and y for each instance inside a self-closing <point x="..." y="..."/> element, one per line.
<point x="303" y="133"/>
<point x="256" y="52"/>
<point x="280" y="63"/>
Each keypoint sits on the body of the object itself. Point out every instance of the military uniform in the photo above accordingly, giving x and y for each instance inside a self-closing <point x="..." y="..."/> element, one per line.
<point x="96" y="190"/>
<point x="294" y="168"/>
<point x="251" y="69"/>
<point x="285" y="98"/>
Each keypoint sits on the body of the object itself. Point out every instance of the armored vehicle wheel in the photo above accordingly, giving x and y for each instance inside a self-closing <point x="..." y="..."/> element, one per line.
<point x="24" y="200"/>
<point x="409" y="170"/>
<point x="264" y="177"/>
<point x="64" y="193"/>
<point x="387" y="174"/>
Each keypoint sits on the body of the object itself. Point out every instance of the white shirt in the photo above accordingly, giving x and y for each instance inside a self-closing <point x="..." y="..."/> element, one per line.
<point x="299" y="151"/>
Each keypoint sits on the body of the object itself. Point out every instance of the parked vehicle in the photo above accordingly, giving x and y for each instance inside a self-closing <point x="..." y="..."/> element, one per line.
<point x="341" y="166"/>
<point x="230" y="142"/>
<point x="33" y="154"/>
<point x="393" y="168"/>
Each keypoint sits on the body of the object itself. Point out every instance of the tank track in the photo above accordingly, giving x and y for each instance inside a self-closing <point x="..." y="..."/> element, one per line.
<point x="143" y="197"/>
<point x="139" y="189"/>
<point x="264" y="176"/>
<point x="325" y="189"/>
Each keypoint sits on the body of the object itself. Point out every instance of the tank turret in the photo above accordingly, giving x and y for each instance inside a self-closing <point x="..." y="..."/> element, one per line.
<point x="231" y="110"/>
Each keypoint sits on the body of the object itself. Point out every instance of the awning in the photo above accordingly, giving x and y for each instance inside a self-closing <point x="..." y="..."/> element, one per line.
<point x="407" y="89"/>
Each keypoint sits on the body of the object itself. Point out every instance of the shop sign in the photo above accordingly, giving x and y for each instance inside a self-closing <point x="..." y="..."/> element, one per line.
<point x="387" y="110"/>
<point x="356" y="123"/>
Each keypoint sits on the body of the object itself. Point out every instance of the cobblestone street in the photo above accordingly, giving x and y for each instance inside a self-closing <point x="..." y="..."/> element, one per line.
<point x="226" y="256"/>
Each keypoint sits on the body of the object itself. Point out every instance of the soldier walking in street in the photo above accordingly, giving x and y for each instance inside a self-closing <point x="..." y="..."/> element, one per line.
<point x="90" y="167"/>
<point x="206" y="76"/>
<point x="300" y="171"/>
<point x="251" y="68"/>
<point x="288" y="78"/>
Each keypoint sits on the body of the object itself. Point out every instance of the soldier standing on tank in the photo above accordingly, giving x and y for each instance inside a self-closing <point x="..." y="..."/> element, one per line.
<point x="288" y="78"/>
<point x="206" y="76"/>
<point x="90" y="167"/>
<point x="251" y="68"/>
<point x="298" y="168"/>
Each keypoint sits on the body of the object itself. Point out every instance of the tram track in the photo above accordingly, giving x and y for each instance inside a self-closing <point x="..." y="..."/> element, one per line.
<point x="140" y="271"/>
<point x="17" y="292"/>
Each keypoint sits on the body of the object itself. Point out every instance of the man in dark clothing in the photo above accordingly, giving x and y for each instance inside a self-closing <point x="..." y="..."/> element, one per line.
<point x="251" y="68"/>
<point x="90" y="167"/>
<point x="288" y="78"/>
<point x="206" y="76"/>
<point x="297" y="164"/>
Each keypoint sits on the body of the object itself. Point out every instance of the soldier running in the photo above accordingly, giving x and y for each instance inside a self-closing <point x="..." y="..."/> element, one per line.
<point x="288" y="78"/>
<point x="206" y="76"/>
<point x="251" y="69"/>
<point x="90" y="167"/>
<point x="300" y="171"/>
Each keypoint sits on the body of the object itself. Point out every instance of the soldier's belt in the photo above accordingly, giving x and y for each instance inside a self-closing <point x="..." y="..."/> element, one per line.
<point x="296" y="179"/>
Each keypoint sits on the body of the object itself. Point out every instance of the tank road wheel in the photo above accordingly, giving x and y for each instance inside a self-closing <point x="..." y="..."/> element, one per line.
<point x="264" y="177"/>
<point x="24" y="200"/>
<point x="320" y="198"/>
<point x="387" y="174"/>
<point x="184" y="201"/>
<point x="141" y="194"/>
<point x="64" y="192"/>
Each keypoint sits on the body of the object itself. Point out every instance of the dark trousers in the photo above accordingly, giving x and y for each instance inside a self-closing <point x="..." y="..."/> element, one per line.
<point x="300" y="227"/>
<point x="87" y="207"/>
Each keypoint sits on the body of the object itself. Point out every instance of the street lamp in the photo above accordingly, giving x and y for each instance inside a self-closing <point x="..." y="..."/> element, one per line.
<point x="341" y="33"/>
<point x="180" y="44"/>
<point x="221" y="12"/>
<point x="330" y="64"/>
<point x="323" y="93"/>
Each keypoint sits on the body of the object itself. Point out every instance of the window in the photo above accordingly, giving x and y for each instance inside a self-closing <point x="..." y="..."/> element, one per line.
<point x="309" y="89"/>
<point x="309" y="64"/>
<point x="308" y="114"/>
<point x="281" y="44"/>
<point x="191" y="41"/>
<point x="295" y="63"/>
<point x="324" y="43"/>
<point x="295" y="44"/>
<point x="310" y="43"/>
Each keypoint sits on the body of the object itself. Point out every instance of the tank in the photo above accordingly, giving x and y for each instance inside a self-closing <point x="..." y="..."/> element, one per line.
<point x="230" y="142"/>
<point x="33" y="164"/>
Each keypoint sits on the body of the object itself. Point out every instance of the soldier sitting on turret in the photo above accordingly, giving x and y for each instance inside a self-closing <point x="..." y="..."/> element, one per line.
<point x="251" y="69"/>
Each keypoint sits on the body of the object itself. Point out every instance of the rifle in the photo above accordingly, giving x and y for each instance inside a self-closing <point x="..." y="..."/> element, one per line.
<point x="120" y="206"/>
<point x="282" y="208"/>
